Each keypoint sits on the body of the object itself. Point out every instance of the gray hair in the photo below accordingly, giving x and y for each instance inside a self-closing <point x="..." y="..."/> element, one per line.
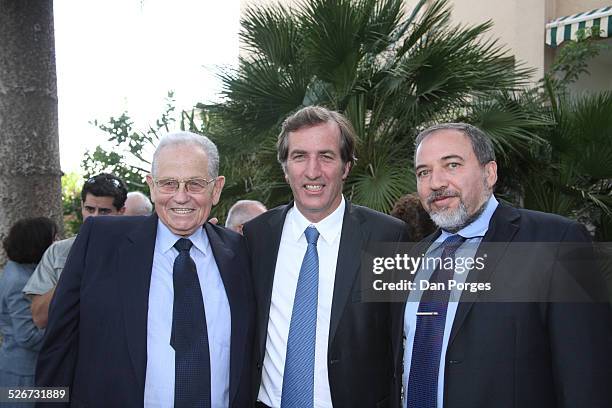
<point x="243" y="211"/>
<point x="143" y="205"/>
<point x="193" y="139"/>
<point x="481" y="142"/>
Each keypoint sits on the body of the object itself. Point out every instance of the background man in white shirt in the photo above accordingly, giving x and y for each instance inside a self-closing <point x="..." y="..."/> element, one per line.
<point x="103" y="194"/>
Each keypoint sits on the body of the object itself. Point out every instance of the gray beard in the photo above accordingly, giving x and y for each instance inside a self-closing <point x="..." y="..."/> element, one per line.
<point x="455" y="220"/>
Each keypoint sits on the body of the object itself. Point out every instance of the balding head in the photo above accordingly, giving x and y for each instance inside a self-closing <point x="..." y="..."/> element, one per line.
<point x="138" y="204"/>
<point x="243" y="211"/>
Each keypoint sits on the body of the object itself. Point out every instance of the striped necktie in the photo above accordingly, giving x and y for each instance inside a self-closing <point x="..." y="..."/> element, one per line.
<point x="298" y="378"/>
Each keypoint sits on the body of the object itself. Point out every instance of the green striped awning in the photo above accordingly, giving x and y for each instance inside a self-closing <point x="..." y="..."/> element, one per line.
<point x="565" y="28"/>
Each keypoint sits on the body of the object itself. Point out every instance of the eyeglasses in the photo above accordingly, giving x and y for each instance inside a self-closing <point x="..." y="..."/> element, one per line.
<point x="194" y="185"/>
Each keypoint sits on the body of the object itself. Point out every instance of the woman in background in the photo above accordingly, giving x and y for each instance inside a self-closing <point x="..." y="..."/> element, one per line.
<point x="25" y="244"/>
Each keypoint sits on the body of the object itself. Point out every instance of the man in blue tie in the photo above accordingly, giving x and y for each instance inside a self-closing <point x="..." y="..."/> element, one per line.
<point x="526" y="351"/>
<point x="156" y="311"/>
<point x="317" y="343"/>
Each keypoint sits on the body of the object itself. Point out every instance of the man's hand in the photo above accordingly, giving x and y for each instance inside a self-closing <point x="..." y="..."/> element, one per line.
<point x="40" y="308"/>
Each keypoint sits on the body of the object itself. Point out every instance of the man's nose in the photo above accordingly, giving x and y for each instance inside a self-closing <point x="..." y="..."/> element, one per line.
<point x="313" y="168"/>
<point x="181" y="195"/>
<point x="438" y="180"/>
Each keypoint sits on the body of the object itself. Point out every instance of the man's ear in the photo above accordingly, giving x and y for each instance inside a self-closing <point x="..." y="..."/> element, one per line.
<point x="218" y="186"/>
<point x="491" y="173"/>
<point x="151" y="184"/>
<point x="121" y="210"/>
<point x="347" y="170"/>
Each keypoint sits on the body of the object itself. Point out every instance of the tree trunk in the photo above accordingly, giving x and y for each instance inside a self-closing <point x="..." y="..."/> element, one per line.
<point x="30" y="175"/>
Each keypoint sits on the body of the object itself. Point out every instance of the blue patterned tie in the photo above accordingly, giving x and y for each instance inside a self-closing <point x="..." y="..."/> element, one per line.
<point x="422" y="391"/>
<point x="189" y="335"/>
<point x="298" y="379"/>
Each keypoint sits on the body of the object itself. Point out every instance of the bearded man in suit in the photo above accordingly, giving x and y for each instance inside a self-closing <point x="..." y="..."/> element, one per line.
<point x="540" y="335"/>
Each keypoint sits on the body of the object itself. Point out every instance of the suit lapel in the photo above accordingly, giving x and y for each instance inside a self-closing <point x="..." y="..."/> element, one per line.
<point x="135" y="260"/>
<point x="264" y="275"/>
<point x="352" y="241"/>
<point x="503" y="227"/>
<point x="236" y="297"/>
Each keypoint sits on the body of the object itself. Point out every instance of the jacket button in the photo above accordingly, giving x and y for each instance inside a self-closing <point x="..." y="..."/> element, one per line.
<point x="334" y="361"/>
<point x="454" y="361"/>
<point x="259" y="366"/>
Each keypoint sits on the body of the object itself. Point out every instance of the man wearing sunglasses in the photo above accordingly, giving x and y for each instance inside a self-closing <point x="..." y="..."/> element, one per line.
<point x="104" y="194"/>
<point x="156" y="311"/>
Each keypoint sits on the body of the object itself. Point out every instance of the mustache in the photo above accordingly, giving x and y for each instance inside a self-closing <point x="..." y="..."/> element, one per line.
<point x="441" y="194"/>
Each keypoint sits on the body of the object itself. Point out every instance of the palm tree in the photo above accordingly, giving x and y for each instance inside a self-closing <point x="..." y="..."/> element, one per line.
<point x="574" y="170"/>
<point x="29" y="153"/>
<point x="391" y="74"/>
<point x="570" y="172"/>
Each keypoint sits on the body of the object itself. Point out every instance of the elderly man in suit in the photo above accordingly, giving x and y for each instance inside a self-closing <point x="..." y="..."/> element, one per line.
<point x="158" y="310"/>
<point x="533" y="349"/>
<point x="317" y="343"/>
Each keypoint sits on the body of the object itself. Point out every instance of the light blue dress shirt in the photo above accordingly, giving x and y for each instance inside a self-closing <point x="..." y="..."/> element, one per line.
<point x="159" y="382"/>
<point x="473" y="233"/>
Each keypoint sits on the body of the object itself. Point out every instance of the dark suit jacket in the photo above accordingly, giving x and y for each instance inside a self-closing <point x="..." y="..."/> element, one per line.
<point x="359" y="357"/>
<point x="523" y="354"/>
<point x="96" y="340"/>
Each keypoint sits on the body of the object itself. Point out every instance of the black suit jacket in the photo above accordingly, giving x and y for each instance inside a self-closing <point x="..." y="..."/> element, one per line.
<point x="523" y="354"/>
<point x="96" y="340"/>
<point x="359" y="359"/>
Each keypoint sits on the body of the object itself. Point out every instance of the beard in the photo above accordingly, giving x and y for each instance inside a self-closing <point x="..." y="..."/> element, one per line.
<point x="453" y="220"/>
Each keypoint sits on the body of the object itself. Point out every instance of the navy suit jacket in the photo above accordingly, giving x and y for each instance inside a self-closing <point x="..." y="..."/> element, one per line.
<point x="525" y="354"/>
<point x="96" y="340"/>
<point x="359" y="359"/>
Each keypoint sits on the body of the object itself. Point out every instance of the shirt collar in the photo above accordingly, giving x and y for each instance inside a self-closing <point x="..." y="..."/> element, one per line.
<point x="166" y="239"/>
<point x="329" y="227"/>
<point x="478" y="227"/>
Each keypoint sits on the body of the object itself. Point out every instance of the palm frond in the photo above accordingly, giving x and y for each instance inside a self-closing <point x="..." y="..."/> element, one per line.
<point x="380" y="184"/>
<point x="271" y="33"/>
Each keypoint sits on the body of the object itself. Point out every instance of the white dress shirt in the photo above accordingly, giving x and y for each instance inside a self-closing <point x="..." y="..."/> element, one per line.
<point x="288" y="263"/>
<point x="159" y="382"/>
